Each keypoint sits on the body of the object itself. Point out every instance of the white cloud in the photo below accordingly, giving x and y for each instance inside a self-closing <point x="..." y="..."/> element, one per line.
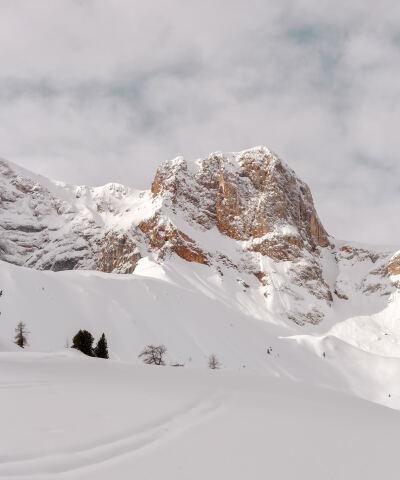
<point x="93" y="91"/>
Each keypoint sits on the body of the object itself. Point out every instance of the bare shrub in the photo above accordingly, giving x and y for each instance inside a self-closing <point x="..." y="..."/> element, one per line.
<point x="154" y="354"/>
<point x="213" y="362"/>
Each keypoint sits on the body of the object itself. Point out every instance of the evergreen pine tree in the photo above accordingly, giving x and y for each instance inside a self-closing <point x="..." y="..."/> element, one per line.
<point x="101" y="349"/>
<point x="21" y="338"/>
<point x="83" y="341"/>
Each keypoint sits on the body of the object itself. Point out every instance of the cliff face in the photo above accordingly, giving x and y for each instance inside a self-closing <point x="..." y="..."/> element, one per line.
<point x="246" y="215"/>
<point x="246" y="196"/>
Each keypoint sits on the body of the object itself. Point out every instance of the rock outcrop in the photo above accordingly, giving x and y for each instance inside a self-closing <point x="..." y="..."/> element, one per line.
<point x="394" y="265"/>
<point x="118" y="253"/>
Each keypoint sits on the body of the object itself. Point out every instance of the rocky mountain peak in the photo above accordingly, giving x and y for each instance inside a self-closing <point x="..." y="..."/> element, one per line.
<point x="245" y="215"/>
<point x="247" y="195"/>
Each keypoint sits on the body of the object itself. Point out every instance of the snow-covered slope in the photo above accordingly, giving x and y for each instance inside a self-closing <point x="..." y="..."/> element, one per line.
<point x="83" y="418"/>
<point x="194" y="312"/>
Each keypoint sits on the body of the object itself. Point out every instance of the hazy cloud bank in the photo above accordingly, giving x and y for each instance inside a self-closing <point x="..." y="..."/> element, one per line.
<point x="94" y="91"/>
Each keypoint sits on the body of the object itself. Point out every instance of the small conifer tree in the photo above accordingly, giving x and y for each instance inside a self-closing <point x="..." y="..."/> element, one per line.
<point x="83" y="341"/>
<point x="21" y="335"/>
<point x="101" y="349"/>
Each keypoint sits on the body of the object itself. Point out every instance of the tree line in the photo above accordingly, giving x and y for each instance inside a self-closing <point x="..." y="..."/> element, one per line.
<point x="84" y="340"/>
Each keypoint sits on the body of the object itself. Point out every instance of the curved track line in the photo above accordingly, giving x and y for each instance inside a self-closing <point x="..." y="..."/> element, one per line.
<point x="151" y="436"/>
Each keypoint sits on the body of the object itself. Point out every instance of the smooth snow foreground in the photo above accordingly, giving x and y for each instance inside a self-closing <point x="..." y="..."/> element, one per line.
<point x="68" y="416"/>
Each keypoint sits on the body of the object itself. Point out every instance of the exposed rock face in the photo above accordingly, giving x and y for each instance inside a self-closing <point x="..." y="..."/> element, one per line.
<point x="245" y="215"/>
<point x="394" y="265"/>
<point x="251" y="197"/>
<point x="279" y="247"/>
<point x="52" y="226"/>
<point x="246" y="196"/>
<point x="372" y="267"/>
<point x="118" y="253"/>
<point x="164" y="237"/>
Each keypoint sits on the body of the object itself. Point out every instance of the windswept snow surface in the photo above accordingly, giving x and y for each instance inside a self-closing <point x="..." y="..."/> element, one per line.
<point x="82" y="418"/>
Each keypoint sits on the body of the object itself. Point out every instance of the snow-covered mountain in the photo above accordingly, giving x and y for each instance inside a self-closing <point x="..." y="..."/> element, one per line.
<point x="245" y="216"/>
<point x="223" y="256"/>
<point x="231" y="243"/>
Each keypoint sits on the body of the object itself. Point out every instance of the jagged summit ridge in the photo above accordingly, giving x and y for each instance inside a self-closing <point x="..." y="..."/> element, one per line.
<point x="246" y="195"/>
<point x="54" y="226"/>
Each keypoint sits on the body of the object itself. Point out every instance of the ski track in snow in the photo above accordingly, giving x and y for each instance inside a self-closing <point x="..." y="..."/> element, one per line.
<point x="151" y="436"/>
<point x="12" y="385"/>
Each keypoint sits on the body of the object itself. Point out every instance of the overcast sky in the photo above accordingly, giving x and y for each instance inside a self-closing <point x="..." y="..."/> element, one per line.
<point x="104" y="90"/>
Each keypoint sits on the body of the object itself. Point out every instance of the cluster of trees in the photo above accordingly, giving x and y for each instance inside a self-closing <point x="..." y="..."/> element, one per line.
<point x="83" y="341"/>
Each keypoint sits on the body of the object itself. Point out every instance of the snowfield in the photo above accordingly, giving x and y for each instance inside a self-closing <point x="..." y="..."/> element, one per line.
<point x="70" y="417"/>
<point x="300" y="411"/>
